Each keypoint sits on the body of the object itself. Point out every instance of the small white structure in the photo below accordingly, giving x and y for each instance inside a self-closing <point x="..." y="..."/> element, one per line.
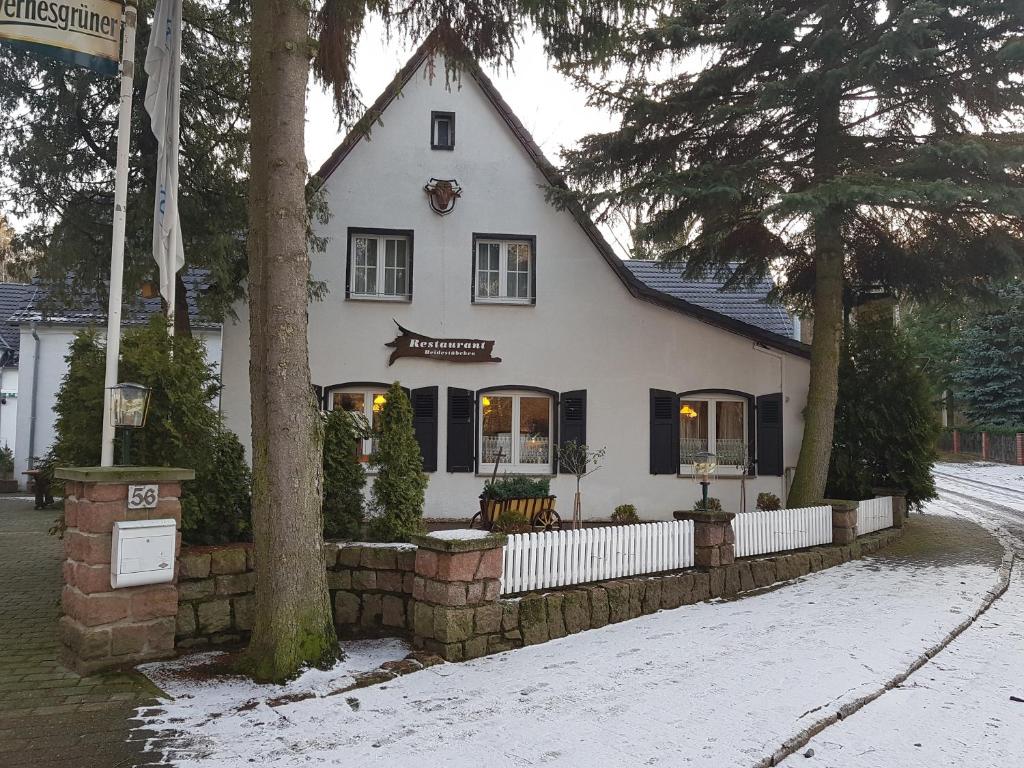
<point x="516" y="327"/>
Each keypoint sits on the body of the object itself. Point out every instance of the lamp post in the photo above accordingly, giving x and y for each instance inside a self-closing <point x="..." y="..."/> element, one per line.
<point x="704" y="466"/>
<point x="129" y="406"/>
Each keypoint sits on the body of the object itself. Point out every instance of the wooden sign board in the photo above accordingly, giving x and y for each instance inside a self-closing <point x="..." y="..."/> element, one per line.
<point x="410" y="344"/>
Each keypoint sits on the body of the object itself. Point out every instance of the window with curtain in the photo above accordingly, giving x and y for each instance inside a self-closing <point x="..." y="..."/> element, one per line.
<point x="516" y="432"/>
<point x="717" y="424"/>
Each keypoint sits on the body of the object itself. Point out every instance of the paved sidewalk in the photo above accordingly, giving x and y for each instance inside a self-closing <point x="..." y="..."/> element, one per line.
<point x="48" y="715"/>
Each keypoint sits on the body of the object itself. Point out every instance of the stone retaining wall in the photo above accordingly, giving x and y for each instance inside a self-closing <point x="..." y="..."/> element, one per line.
<point x="538" y="617"/>
<point x="370" y="585"/>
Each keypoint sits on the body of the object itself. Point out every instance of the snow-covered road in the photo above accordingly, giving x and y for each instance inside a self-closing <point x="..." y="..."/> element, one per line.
<point x="966" y="707"/>
<point x="720" y="684"/>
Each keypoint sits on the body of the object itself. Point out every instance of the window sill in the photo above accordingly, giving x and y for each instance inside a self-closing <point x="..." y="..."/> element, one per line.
<point x="382" y="297"/>
<point x="519" y="473"/>
<point x="506" y="302"/>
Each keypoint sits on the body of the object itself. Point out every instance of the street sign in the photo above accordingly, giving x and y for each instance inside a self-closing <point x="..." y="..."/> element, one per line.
<point x="86" y="33"/>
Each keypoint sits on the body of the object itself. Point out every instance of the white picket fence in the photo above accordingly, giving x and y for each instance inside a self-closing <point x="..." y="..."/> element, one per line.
<point x="559" y="558"/>
<point x="874" y="515"/>
<point x="777" y="530"/>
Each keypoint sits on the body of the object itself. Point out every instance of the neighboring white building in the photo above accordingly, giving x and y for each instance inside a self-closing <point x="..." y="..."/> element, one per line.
<point x="44" y="335"/>
<point x="13" y="297"/>
<point x="619" y="354"/>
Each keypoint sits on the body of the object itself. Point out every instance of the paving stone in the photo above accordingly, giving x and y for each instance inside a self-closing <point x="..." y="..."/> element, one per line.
<point x="50" y="716"/>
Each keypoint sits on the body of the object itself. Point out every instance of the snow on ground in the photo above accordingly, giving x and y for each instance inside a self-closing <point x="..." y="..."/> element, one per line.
<point x="957" y="710"/>
<point x="720" y="684"/>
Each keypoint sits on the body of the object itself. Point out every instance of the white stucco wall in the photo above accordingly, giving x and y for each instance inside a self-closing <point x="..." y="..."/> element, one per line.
<point x="8" y="406"/>
<point x="585" y="331"/>
<point x="53" y="345"/>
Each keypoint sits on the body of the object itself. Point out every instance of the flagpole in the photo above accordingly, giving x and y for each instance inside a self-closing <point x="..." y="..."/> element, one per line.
<point x="124" y="124"/>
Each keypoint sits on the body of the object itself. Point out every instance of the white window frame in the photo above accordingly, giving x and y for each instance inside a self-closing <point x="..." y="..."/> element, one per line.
<point x="382" y="239"/>
<point x="503" y="244"/>
<point x="514" y="467"/>
<point x="724" y="470"/>
<point x="368" y="393"/>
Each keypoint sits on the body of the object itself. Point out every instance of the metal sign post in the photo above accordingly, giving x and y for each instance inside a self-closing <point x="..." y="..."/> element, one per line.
<point x="124" y="121"/>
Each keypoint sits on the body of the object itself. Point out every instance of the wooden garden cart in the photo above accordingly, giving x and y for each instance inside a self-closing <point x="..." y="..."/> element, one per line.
<point x="540" y="511"/>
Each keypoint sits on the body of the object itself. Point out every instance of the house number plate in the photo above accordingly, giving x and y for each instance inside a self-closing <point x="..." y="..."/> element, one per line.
<point x="143" y="496"/>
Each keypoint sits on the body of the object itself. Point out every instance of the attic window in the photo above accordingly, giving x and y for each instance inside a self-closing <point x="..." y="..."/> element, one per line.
<point x="442" y="130"/>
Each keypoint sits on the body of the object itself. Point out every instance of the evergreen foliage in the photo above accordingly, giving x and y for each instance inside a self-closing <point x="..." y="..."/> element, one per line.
<point x="768" y="501"/>
<point x="58" y="126"/>
<point x="990" y="369"/>
<point x="847" y="144"/>
<point x="714" y="505"/>
<point x="886" y="424"/>
<point x="517" y="487"/>
<point x="344" y="475"/>
<point x="183" y="428"/>
<point x="400" y="483"/>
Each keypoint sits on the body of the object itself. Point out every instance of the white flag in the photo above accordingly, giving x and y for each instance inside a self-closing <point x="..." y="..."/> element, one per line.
<point x="163" y="93"/>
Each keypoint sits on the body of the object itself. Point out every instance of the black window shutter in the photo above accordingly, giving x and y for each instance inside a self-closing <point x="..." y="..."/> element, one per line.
<point x="769" y="434"/>
<point x="461" y="437"/>
<point x="424" y="424"/>
<point x="664" y="432"/>
<point x="572" y="418"/>
<point x="318" y="394"/>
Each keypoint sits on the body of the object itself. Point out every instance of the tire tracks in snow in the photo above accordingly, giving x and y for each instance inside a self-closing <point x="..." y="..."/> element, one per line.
<point x="1010" y="542"/>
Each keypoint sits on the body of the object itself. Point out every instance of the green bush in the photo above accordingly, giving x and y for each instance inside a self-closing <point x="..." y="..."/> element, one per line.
<point x="517" y="487"/>
<point x="400" y="483"/>
<point x="6" y="460"/>
<point x="344" y="475"/>
<point x="768" y="501"/>
<point x="183" y="429"/>
<point x="713" y="505"/>
<point x="625" y="514"/>
<point x="886" y="427"/>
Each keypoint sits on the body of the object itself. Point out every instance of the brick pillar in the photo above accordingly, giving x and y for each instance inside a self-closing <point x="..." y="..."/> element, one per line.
<point x="455" y="592"/>
<point x="956" y="441"/>
<point x="899" y="503"/>
<point x="844" y="521"/>
<point x="105" y="628"/>
<point x="985" y="445"/>
<point x="714" y="542"/>
<point x="1020" y="448"/>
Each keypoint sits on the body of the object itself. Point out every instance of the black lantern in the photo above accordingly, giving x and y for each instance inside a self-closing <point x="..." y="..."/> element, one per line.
<point x="129" y="406"/>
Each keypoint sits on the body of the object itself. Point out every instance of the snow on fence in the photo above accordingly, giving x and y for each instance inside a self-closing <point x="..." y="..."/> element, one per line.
<point x="560" y="558"/>
<point x="874" y="515"/>
<point x="776" y="530"/>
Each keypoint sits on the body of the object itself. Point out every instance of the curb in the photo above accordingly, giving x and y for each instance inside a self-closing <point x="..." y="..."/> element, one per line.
<point x="800" y="740"/>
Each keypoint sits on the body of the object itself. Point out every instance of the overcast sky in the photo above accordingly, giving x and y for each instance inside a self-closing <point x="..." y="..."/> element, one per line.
<point x="551" y="109"/>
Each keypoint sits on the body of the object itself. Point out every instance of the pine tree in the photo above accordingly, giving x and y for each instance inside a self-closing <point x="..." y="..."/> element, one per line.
<point x="847" y="143"/>
<point x="400" y="483"/>
<point x="58" y="126"/>
<point x="990" y="370"/>
<point x="344" y="475"/>
<point x="886" y="423"/>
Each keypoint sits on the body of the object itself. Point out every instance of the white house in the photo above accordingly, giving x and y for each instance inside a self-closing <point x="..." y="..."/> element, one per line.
<point x="523" y="327"/>
<point x="44" y="331"/>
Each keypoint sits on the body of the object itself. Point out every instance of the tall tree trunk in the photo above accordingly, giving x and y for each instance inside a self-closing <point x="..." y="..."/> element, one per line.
<point x="823" y="388"/>
<point x="293" y="625"/>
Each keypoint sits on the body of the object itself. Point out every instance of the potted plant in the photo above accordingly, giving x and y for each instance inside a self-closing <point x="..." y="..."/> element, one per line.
<point x="517" y="494"/>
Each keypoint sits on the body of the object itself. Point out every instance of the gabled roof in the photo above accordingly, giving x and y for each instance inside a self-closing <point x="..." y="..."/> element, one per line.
<point x="638" y="288"/>
<point x="749" y="304"/>
<point x="91" y="310"/>
<point x="13" y="297"/>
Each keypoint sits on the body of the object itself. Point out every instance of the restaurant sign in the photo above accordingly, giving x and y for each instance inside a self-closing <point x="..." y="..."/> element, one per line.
<point x="82" y="32"/>
<point x="410" y="344"/>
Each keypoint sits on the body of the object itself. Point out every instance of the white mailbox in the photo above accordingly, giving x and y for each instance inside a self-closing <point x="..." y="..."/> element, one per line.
<point x="142" y="552"/>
